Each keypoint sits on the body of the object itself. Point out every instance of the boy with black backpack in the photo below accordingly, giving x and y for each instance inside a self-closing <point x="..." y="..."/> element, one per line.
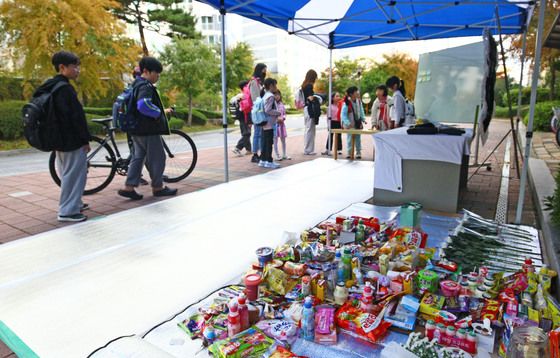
<point x="151" y="123"/>
<point x="72" y="143"/>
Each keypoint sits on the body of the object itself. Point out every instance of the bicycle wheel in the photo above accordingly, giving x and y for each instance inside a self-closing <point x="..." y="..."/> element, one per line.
<point x="101" y="166"/>
<point x="181" y="156"/>
<point x="557" y="136"/>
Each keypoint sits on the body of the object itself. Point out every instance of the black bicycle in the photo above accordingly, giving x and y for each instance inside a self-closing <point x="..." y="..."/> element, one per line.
<point x="105" y="160"/>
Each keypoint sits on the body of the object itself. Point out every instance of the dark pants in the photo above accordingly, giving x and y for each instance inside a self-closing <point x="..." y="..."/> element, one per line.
<point x="245" y="140"/>
<point x="267" y="142"/>
<point x="334" y="125"/>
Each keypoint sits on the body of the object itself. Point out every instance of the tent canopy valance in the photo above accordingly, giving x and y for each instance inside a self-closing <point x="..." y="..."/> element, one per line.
<point x="349" y="23"/>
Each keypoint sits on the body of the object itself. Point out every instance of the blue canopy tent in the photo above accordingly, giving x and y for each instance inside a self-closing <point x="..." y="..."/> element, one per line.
<point x="337" y="24"/>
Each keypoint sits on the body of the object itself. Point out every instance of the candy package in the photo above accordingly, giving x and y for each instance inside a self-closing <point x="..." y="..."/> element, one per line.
<point x="277" y="280"/>
<point x="325" y="330"/>
<point x="361" y="324"/>
<point x="282" y="352"/>
<point x="251" y="343"/>
<point x="281" y="330"/>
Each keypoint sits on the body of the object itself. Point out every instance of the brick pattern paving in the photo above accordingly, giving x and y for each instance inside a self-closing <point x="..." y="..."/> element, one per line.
<point x="21" y="216"/>
<point x="545" y="148"/>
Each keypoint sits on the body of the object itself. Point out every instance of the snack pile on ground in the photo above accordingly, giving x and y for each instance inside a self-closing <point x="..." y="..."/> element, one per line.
<point x="361" y="277"/>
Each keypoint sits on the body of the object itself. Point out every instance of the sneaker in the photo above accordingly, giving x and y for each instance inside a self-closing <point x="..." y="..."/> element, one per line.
<point x="237" y="152"/>
<point x="255" y="158"/>
<point x="272" y="165"/>
<point x="339" y="152"/>
<point x="72" y="218"/>
<point x="358" y="156"/>
<point x="262" y="164"/>
<point x="166" y="191"/>
<point x="84" y="207"/>
<point x="130" y="194"/>
<point x="326" y="152"/>
<point x="348" y="156"/>
<point x="279" y="158"/>
<point x="310" y="153"/>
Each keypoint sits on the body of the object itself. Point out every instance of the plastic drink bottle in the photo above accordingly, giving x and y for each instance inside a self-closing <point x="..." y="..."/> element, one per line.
<point x="243" y="311"/>
<point x="308" y="320"/>
<point x="347" y="265"/>
<point x="366" y="303"/>
<point x="360" y="232"/>
<point x="234" y="323"/>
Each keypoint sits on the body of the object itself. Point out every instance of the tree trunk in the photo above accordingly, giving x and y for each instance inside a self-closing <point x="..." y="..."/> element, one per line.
<point x="141" y="31"/>
<point x="190" y="110"/>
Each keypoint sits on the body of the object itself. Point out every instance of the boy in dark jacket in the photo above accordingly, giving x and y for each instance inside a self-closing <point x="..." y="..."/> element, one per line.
<point x="74" y="135"/>
<point x="146" y="136"/>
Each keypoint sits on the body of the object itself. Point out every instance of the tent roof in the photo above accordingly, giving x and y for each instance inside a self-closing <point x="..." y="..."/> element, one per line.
<point x="350" y="23"/>
<point x="553" y="38"/>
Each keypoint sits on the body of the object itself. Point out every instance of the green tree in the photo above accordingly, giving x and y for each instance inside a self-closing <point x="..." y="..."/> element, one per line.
<point x="163" y="16"/>
<point x="549" y="57"/>
<point x="402" y="66"/>
<point x="239" y="65"/>
<point x="84" y="27"/>
<point x="190" y="64"/>
<point x="284" y="87"/>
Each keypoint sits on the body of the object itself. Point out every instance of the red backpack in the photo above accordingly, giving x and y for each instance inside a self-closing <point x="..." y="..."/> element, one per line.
<point x="246" y="104"/>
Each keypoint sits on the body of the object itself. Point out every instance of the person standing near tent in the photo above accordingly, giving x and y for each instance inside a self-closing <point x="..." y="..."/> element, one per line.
<point x="310" y="123"/>
<point x="353" y="117"/>
<point x="380" y="109"/>
<point x="397" y="112"/>
<point x="244" y="122"/>
<point x="334" y="120"/>
<point x="252" y="91"/>
<point x="272" y="115"/>
<point x="146" y="136"/>
<point x="280" y="132"/>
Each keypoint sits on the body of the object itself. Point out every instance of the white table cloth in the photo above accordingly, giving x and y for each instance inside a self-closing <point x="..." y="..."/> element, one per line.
<point x="391" y="147"/>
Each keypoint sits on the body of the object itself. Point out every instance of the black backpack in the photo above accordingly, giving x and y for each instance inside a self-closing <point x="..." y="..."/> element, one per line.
<point x="40" y="127"/>
<point x="314" y="109"/>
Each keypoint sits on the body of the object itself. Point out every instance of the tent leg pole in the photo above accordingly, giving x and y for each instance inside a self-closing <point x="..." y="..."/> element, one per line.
<point x="516" y="146"/>
<point x="529" y="134"/>
<point x="329" y="114"/>
<point x="224" y="95"/>
<point x="519" y="94"/>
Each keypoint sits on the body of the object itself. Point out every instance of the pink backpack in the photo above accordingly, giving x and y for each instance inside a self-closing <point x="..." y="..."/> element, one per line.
<point x="246" y="104"/>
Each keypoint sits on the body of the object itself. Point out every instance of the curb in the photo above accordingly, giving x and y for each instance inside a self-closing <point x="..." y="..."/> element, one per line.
<point x="542" y="184"/>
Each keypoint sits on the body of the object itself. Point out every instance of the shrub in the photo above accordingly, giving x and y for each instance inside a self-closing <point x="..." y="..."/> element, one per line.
<point x="543" y="95"/>
<point x="11" y="88"/>
<point x="198" y="119"/>
<point x="10" y="119"/>
<point x="176" y="123"/>
<point x="503" y="112"/>
<point x="294" y="111"/>
<point x="553" y="202"/>
<point x="94" y="128"/>
<point x="99" y="111"/>
<point x="216" y="115"/>
<point x="543" y="114"/>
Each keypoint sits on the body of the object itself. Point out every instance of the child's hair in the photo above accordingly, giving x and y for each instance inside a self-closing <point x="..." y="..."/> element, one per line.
<point x="269" y="82"/>
<point x="332" y="97"/>
<point x="150" y="64"/>
<point x="310" y="78"/>
<point x="394" y="80"/>
<point x="349" y="92"/>
<point x="278" y="92"/>
<point x="64" y="58"/>
<point x="257" y="72"/>
<point x="384" y="89"/>
<point x="242" y="84"/>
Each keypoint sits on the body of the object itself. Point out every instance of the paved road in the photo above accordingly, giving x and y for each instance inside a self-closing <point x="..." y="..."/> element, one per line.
<point x="24" y="162"/>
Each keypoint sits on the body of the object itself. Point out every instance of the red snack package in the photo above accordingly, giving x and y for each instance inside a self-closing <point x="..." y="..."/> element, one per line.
<point x="361" y="324"/>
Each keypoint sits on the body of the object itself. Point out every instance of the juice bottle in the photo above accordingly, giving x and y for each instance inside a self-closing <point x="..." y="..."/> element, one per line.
<point x="360" y="232"/>
<point x="243" y="311"/>
<point x="234" y="324"/>
<point x="366" y="303"/>
<point x="308" y="320"/>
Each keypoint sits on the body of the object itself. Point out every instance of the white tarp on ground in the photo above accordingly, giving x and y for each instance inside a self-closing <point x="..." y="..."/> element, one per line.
<point x="69" y="291"/>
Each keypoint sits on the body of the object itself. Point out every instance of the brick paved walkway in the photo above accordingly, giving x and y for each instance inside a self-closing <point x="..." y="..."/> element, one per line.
<point x="21" y="216"/>
<point x="545" y="148"/>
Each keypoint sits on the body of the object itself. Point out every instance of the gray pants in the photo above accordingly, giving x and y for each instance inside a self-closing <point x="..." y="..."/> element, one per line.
<point x="73" y="174"/>
<point x="147" y="150"/>
<point x="309" y="134"/>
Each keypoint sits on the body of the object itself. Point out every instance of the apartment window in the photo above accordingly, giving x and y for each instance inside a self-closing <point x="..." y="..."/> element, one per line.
<point x="207" y="22"/>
